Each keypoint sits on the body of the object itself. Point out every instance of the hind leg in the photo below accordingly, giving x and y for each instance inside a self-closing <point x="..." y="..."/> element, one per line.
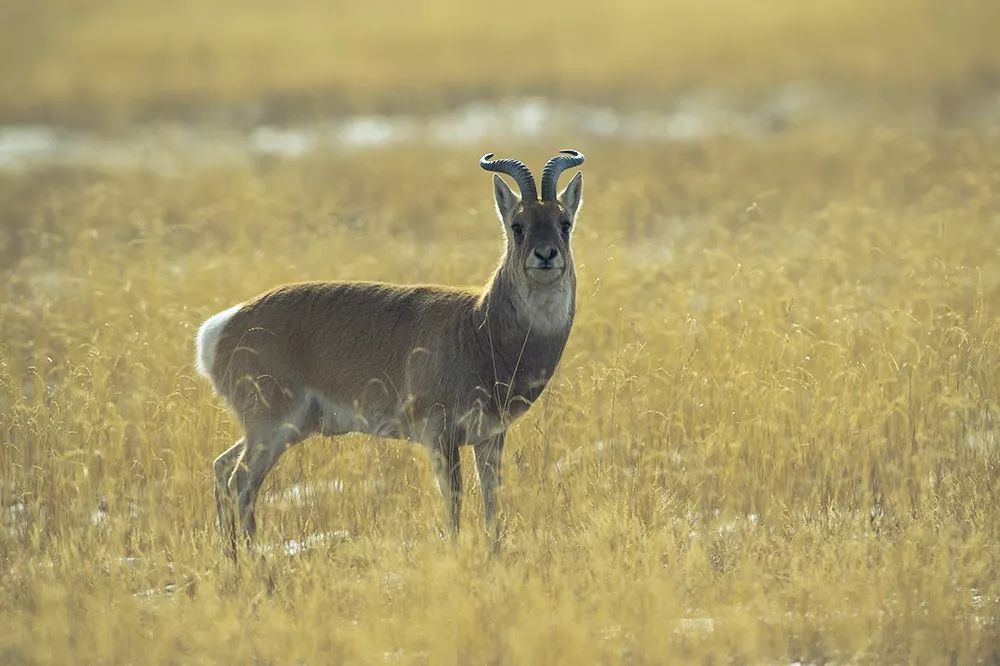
<point x="260" y="454"/>
<point x="274" y="416"/>
<point x="223" y="467"/>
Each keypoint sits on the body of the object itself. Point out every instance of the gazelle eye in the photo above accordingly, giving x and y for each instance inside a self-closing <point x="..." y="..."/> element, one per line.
<point x="566" y="226"/>
<point x="517" y="229"/>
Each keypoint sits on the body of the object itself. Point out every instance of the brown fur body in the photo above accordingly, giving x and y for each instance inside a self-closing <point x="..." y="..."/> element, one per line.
<point x="436" y="365"/>
<point x="454" y="366"/>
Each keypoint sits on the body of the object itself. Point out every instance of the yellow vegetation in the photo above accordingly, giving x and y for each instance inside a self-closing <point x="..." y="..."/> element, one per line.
<point x="774" y="436"/>
<point x="110" y="61"/>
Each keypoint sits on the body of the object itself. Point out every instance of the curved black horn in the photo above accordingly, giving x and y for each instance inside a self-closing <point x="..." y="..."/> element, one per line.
<point x="554" y="167"/>
<point x="517" y="170"/>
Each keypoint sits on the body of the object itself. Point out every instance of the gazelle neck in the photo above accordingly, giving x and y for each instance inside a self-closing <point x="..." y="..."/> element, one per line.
<point x="531" y="309"/>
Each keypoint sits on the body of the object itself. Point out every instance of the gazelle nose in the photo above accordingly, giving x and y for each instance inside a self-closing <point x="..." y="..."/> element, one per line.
<point x="546" y="251"/>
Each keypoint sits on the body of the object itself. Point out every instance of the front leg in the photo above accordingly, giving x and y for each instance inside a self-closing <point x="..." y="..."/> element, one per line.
<point x="448" y="468"/>
<point x="488" y="455"/>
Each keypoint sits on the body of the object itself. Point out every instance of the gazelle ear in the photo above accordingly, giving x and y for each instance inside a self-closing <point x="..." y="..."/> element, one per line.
<point x="572" y="197"/>
<point x="506" y="200"/>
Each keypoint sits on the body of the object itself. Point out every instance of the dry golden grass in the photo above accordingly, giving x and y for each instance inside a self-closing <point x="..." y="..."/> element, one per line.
<point x="111" y="61"/>
<point x="774" y="435"/>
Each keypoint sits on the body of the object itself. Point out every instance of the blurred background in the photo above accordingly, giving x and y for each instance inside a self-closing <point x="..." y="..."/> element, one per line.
<point x="108" y="64"/>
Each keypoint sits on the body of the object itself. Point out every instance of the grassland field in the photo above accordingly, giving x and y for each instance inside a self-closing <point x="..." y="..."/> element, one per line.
<point x="109" y="63"/>
<point x="774" y="435"/>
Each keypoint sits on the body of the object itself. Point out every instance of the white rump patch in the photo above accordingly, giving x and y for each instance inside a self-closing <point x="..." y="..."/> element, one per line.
<point x="208" y="340"/>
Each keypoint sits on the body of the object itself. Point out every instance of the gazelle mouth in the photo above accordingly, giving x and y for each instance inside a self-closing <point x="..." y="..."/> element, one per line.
<point x="545" y="274"/>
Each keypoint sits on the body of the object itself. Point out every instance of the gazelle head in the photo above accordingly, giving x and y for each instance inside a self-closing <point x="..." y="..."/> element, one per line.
<point x="538" y="231"/>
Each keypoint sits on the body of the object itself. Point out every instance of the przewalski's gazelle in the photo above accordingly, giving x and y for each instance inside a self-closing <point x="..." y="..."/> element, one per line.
<point x="436" y="365"/>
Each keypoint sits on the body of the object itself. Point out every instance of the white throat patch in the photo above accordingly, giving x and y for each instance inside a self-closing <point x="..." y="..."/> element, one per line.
<point x="546" y="309"/>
